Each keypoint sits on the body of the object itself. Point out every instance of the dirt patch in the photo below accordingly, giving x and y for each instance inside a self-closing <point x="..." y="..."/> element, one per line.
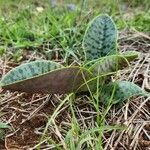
<point x="27" y="119"/>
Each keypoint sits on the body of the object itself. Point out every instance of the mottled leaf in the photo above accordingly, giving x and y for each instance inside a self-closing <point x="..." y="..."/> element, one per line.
<point x="29" y="70"/>
<point x="100" y="38"/>
<point x="109" y="64"/>
<point x="122" y="90"/>
<point x="60" y="80"/>
<point x="112" y="63"/>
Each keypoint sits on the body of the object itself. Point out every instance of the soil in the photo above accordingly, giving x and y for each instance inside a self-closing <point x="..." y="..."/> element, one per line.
<point x="26" y="132"/>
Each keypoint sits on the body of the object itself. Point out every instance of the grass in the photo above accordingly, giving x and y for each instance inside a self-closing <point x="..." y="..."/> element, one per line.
<point x="71" y="121"/>
<point x="31" y="29"/>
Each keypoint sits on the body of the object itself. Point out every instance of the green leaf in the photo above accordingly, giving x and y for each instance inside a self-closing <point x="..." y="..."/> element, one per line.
<point x="109" y="64"/>
<point x="100" y="38"/>
<point x="28" y="71"/>
<point x="120" y="90"/>
<point x="45" y="77"/>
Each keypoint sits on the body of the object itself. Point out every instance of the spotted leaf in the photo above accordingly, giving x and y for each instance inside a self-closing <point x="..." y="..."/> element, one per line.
<point x="108" y="64"/>
<point x="112" y="63"/>
<point x="45" y="77"/>
<point x="120" y="90"/>
<point x="29" y="70"/>
<point x="100" y="38"/>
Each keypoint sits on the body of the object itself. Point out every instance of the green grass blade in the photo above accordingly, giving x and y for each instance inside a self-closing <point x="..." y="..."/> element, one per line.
<point x="3" y="125"/>
<point x="130" y="55"/>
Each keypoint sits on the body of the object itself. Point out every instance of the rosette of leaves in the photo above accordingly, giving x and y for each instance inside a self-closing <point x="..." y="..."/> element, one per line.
<point x="101" y="59"/>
